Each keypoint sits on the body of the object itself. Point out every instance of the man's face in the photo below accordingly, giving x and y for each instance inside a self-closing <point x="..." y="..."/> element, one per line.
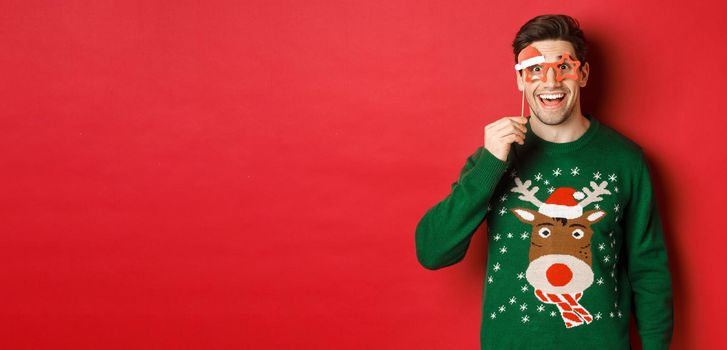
<point x="566" y="92"/>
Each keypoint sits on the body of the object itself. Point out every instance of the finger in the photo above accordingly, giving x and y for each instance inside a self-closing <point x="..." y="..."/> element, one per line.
<point x="512" y="129"/>
<point x="515" y="133"/>
<point x="518" y="126"/>
<point x="512" y="125"/>
<point x="505" y="125"/>
<point x="519" y="133"/>
<point x="522" y="127"/>
<point x="519" y="119"/>
<point x="497" y="124"/>
<point x="513" y="138"/>
<point x="505" y="121"/>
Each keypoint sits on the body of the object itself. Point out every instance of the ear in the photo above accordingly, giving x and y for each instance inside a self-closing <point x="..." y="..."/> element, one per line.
<point x="594" y="216"/>
<point x="519" y="80"/>
<point x="585" y="71"/>
<point x="525" y="215"/>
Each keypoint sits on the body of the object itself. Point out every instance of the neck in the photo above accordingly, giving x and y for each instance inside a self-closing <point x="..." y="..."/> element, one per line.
<point x="570" y="130"/>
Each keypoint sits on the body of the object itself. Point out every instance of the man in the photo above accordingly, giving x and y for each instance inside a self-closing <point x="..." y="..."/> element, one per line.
<point x="575" y="238"/>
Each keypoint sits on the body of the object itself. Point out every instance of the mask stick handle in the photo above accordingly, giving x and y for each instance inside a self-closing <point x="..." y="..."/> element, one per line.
<point x="522" y="105"/>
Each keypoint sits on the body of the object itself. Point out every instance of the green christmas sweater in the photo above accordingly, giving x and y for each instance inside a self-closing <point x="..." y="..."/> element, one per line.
<point x="575" y="243"/>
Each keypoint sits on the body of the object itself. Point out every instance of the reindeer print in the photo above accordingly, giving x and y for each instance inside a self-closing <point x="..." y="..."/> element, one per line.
<point x="560" y="256"/>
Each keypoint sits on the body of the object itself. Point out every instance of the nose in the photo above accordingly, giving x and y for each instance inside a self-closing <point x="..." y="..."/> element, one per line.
<point x="559" y="274"/>
<point x="550" y="76"/>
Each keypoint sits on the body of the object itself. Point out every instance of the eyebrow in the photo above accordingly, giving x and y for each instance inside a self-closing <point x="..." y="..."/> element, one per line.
<point x="571" y="225"/>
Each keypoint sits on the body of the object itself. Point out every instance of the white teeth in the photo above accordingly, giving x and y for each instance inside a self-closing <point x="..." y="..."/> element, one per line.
<point x="552" y="96"/>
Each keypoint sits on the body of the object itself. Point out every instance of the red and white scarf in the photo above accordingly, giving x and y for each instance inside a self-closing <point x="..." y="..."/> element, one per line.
<point x="571" y="311"/>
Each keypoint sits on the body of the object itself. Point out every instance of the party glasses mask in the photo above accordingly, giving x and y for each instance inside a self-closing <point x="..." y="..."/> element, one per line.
<point x="565" y="68"/>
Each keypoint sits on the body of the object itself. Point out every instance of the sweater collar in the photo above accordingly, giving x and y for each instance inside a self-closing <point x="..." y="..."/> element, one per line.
<point x="563" y="147"/>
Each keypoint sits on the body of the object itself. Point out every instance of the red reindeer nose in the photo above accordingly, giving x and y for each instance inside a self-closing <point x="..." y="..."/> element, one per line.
<point x="559" y="274"/>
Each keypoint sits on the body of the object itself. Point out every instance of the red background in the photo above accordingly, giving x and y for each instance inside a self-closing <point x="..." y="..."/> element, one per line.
<point x="187" y="174"/>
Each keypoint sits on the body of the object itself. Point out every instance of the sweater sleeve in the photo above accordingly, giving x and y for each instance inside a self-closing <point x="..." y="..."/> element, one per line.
<point x="445" y="231"/>
<point x="647" y="264"/>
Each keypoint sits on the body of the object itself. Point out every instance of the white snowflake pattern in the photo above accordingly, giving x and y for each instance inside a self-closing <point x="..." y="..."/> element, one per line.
<point x="502" y="211"/>
<point x="610" y="314"/>
<point x="619" y="314"/>
<point x="597" y="316"/>
<point x="575" y="171"/>
<point x="496" y="237"/>
<point x="546" y="182"/>
<point x="503" y="198"/>
<point x="597" y="175"/>
<point x="489" y="279"/>
<point x="552" y="314"/>
<point x="525" y="235"/>
<point x="538" y="177"/>
<point x="501" y="308"/>
<point x="556" y="172"/>
<point x="523" y="307"/>
<point x="612" y="177"/>
<point x="615" y="189"/>
<point x="599" y="281"/>
<point x="541" y="308"/>
<point x="551" y="189"/>
<point x="509" y="235"/>
<point x="503" y="250"/>
<point x="525" y="319"/>
<point x="493" y="315"/>
<point x="512" y="300"/>
<point x="615" y="207"/>
<point x="601" y="246"/>
<point x="597" y="206"/>
<point x="496" y="267"/>
<point x="606" y="259"/>
<point x="520" y="275"/>
<point x="524" y="288"/>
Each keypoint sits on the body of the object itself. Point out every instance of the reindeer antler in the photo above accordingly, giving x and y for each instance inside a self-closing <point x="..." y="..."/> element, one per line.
<point x="594" y="196"/>
<point x="526" y="194"/>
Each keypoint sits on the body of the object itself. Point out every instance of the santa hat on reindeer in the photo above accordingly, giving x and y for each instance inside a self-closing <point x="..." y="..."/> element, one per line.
<point x="563" y="203"/>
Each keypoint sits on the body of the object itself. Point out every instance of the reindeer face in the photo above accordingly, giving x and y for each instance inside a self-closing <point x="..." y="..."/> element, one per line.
<point x="559" y="235"/>
<point x="560" y="250"/>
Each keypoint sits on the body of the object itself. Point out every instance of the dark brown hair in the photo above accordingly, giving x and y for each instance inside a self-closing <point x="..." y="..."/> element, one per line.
<point x="555" y="27"/>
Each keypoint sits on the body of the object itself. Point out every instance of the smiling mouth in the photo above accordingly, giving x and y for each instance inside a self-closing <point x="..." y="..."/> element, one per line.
<point x="551" y="100"/>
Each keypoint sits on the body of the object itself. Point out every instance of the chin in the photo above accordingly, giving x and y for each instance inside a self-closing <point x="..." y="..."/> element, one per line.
<point x="551" y="119"/>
